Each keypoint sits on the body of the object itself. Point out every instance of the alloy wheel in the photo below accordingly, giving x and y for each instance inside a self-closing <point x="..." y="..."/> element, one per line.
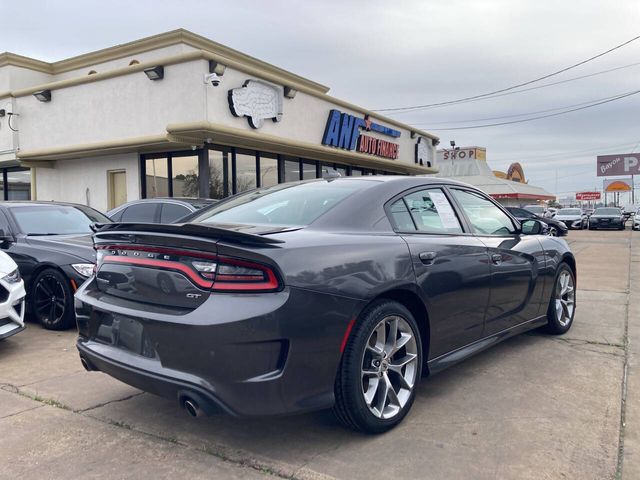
<point x="553" y="232"/>
<point x="49" y="299"/>
<point x="564" y="298"/>
<point x="389" y="367"/>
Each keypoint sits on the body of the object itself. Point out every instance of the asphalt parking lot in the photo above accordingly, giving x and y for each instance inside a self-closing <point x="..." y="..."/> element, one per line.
<point x="534" y="407"/>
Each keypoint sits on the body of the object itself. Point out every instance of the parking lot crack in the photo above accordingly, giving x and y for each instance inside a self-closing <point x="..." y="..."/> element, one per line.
<point x="109" y="402"/>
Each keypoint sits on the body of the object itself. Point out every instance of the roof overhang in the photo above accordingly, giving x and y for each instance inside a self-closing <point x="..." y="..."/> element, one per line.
<point x="196" y="134"/>
<point x="201" y="132"/>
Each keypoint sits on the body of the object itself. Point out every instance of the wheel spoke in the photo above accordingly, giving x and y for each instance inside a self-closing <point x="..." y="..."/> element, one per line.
<point x="370" y="394"/>
<point x="391" y="393"/>
<point x="401" y="342"/>
<point x="401" y="378"/>
<point x="390" y="344"/>
<point x="383" y="386"/>
<point x="381" y="335"/>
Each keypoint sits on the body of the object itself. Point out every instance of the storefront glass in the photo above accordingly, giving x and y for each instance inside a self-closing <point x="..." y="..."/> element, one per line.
<point x="268" y="169"/>
<point x="245" y="170"/>
<point x="184" y="176"/>
<point x="291" y="169"/>
<point x="18" y="184"/>
<point x="219" y="173"/>
<point x="249" y="169"/>
<point x="157" y="176"/>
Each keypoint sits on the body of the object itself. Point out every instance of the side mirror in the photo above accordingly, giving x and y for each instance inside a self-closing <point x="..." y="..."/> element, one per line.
<point x="534" y="227"/>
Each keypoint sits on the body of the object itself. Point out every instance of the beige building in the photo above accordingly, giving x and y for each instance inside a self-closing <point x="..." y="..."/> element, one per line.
<point x="177" y="114"/>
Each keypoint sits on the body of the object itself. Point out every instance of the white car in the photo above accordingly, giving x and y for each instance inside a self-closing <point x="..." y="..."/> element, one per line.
<point x="12" y="295"/>
<point x="636" y="220"/>
<point x="572" y="218"/>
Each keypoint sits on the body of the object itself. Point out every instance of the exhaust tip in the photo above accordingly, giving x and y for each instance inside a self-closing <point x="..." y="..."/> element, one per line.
<point x="192" y="408"/>
<point x="85" y="364"/>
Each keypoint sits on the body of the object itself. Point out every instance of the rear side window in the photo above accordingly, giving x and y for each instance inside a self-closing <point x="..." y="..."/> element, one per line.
<point x="426" y="211"/>
<point x="141" y="212"/>
<point x="172" y="211"/>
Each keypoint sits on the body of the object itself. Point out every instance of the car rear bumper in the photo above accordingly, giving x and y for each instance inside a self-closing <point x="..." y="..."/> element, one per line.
<point x="255" y="354"/>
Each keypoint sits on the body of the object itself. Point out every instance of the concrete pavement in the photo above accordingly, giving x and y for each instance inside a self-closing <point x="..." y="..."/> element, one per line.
<point x="533" y="407"/>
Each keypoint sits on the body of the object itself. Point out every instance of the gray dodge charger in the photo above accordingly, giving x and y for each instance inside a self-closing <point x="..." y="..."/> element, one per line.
<point x="327" y="293"/>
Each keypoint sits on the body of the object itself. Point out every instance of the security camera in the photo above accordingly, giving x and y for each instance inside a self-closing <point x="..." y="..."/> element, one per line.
<point x="212" y="78"/>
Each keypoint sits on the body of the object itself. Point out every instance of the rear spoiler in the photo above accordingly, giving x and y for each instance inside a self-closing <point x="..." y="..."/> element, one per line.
<point x="189" y="229"/>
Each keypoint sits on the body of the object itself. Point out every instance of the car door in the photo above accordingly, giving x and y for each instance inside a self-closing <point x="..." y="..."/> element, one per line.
<point x="451" y="267"/>
<point x="516" y="261"/>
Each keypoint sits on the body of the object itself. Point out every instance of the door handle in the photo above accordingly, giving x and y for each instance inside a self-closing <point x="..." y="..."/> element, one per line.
<point x="496" y="258"/>
<point x="427" y="257"/>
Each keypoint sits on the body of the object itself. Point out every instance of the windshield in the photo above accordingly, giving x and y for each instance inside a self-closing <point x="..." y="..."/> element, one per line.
<point x="570" y="211"/>
<point x="296" y="204"/>
<point x="607" y="211"/>
<point x="535" y="209"/>
<point x="56" y="219"/>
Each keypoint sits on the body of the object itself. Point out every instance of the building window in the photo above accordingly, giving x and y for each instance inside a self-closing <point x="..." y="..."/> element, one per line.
<point x="16" y="184"/>
<point x="184" y="176"/>
<point x="245" y="171"/>
<point x="268" y="169"/>
<point x="356" y="172"/>
<point x="309" y="169"/>
<point x="292" y="169"/>
<point x="156" y="176"/>
<point x="219" y="172"/>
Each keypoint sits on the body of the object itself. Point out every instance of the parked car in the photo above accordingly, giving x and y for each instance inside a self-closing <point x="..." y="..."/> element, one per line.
<point x="636" y="220"/>
<point x="11" y="297"/>
<point x="588" y="211"/>
<point x="51" y="243"/>
<point x="158" y="210"/>
<point x="537" y="209"/>
<point x="572" y="218"/>
<point x="607" y="217"/>
<point x="554" y="227"/>
<point x="308" y="295"/>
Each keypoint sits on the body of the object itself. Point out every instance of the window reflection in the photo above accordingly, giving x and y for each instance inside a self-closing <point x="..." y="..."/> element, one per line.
<point x="157" y="180"/>
<point x="291" y="169"/>
<point x="184" y="171"/>
<point x="245" y="170"/>
<point x="219" y="173"/>
<point x="18" y="184"/>
<point x="268" y="170"/>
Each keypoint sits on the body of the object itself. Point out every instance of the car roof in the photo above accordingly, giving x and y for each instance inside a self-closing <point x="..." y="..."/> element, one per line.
<point x="26" y="203"/>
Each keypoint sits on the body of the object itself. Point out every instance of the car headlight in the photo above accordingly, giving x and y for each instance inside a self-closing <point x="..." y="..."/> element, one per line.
<point x="13" y="277"/>
<point x="84" y="269"/>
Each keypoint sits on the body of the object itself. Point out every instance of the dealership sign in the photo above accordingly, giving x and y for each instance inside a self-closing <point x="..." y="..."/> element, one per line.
<point x="588" y="196"/>
<point x="621" y="164"/>
<point x="622" y="185"/>
<point x="344" y="131"/>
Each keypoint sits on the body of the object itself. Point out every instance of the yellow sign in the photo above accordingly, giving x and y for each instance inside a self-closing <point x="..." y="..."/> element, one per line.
<point x="617" y="186"/>
<point x="481" y="154"/>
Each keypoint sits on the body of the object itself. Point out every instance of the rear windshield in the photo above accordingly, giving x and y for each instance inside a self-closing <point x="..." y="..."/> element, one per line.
<point x="607" y="211"/>
<point x="570" y="211"/>
<point x="294" y="204"/>
<point x="56" y="219"/>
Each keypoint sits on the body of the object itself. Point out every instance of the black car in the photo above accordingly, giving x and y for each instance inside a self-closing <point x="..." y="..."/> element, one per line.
<point x="607" y="217"/>
<point x="308" y="295"/>
<point x="158" y="210"/>
<point x="555" y="228"/>
<point x="51" y="243"/>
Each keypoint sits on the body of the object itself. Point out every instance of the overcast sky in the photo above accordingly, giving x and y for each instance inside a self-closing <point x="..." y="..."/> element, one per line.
<point x="381" y="54"/>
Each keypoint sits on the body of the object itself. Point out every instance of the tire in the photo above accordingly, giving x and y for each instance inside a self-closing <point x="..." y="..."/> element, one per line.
<point x="562" y="304"/>
<point x="52" y="300"/>
<point x="375" y="386"/>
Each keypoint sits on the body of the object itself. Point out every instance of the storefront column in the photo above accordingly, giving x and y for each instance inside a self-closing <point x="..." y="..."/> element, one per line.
<point x="203" y="173"/>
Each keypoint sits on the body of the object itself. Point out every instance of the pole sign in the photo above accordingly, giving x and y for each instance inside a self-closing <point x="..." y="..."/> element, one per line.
<point x="343" y="131"/>
<point x="588" y="196"/>
<point x="622" y="185"/>
<point x="620" y="164"/>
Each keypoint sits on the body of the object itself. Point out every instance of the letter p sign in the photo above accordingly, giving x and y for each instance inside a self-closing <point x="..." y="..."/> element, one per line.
<point x="631" y="165"/>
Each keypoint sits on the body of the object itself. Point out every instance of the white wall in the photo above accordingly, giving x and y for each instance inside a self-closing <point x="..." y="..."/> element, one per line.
<point x="114" y="109"/>
<point x="70" y="179"/>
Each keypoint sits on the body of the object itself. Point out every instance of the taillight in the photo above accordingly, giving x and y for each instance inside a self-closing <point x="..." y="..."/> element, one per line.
<point x="240" y="275"/>
<point x="205" y="270"/>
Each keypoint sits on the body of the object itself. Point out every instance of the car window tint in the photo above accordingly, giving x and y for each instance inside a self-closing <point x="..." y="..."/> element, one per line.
<point x="172" y="211"/>
<point x="485" y="217"/>
<point x="432" y="212"/>
<point x="4" y="224"/>
<point x="141" y="212"/>
<point x="520" y="213"/>
<point x="401" y="216"/>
